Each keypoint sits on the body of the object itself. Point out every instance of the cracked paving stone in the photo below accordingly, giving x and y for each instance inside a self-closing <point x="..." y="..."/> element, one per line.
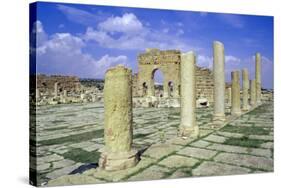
<point x="246" y="160"/>
<point x="197" y="152"/>
<point x="158" y="151"/>
<point x="151" y="173"/>
<point x="176" y="161"/>
<point x="209" y="168"/>
<point x="200" y="144"/>
<point x="215" y="138"/>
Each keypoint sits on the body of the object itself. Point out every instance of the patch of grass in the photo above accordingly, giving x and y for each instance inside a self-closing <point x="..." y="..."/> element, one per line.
<point x="244" y="142"/>
<point x="245" y="130"/>
<point x="74" y="138"/>
<point x="80" y="155"/>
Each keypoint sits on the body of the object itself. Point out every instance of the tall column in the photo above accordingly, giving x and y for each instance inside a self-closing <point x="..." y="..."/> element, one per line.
<point x="118" y="129"/>
<point x="219" y="82"/>
<point x="229" y="96"/>
<point x="245" y="77"/>
<point x="235" y="88"/>
<point x="253" y="99"/>
<point x="258" y="77"/>
<point x="56" y="89"/>
<point x="188" y="126"/>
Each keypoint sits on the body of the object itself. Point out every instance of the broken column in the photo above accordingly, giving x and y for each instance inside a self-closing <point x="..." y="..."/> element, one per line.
<point x="118" y="129"/>
<point x="188" y="126"/>
<point x="245" y="77"/>
<point x="253" y="99"/>
<point x="258" y="78"/>
<point x="219" y="82"/>
<point x="56" y="89"/>
<point x="235" y="88"/>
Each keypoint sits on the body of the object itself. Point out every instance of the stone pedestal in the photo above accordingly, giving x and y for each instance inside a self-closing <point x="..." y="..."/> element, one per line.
<point x="235" y="88"/>
<point x="245" y="77"/>
<point x="253" y="99"/>
<point x="219" y="83"/>
<point x="118" y="130"/>
<point x="188" y="126"/>
<point x="258" y="78"/>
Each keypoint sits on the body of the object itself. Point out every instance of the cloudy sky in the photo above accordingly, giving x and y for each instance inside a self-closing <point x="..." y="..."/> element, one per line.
<point x="85" y="40"/>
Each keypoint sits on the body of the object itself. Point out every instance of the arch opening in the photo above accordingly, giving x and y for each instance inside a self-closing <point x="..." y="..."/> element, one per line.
<point x="158" y="82"/>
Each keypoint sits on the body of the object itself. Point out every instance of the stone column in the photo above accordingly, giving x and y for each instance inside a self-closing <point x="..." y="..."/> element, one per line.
<point x="118" y="130"/>
<point x="219" y="83"/>
<point x="37" y="93"/>
<point x="245" y="77"/>
<point x="253" y="99"/>
<point x="64" y="93"/>
<point x="258" y="77"/>
<point x="165" y="89"/>
<point x="229" y="96"/>
<point x="235" y="88"/>
<point x="56" y="89"/>
<point x="188" y="126"/>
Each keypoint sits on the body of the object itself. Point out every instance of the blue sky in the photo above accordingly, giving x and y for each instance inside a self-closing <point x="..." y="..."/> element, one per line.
<point x="85" y="40"/>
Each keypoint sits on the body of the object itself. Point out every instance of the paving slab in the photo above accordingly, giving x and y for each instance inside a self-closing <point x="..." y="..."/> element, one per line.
<point x="176" y="161"/>
<point x="210" y="168"/>
<point x="197" y="152"/>
<point x="246" y="160"/>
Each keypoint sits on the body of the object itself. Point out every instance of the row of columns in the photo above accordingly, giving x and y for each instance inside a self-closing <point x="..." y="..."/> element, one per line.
<point x="233" y="92"/>
<point x="118" y="131"/>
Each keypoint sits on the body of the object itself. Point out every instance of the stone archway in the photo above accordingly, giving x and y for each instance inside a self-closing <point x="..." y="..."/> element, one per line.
<point x="168" y="62"/>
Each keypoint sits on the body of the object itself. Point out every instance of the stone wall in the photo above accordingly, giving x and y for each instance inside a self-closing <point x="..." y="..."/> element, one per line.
<point x="46" y="83"/>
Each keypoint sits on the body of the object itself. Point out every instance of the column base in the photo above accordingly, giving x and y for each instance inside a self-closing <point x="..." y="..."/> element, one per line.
<point x="236" y="113"/>
<point x="118" y="161"/>
<point x="218" y="118"/>
<point x="188" y="132"/>
<point x="246" y="108"/>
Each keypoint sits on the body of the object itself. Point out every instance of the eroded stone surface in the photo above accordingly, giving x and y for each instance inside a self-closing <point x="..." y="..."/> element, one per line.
<point x="209" y="168"/>
<point x="176" y="161"/>
<point x="197" y="152"/>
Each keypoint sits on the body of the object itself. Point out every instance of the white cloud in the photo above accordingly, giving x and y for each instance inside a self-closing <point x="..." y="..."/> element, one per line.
<point x="165" y="30"/>
<point x="204" y="61"/>
<point x="180" y="32"/>
<point x="133" y="35"/>
<point x="63" y="53"/>
<point x="128" y="23"/>
<point x="232" y="59"/>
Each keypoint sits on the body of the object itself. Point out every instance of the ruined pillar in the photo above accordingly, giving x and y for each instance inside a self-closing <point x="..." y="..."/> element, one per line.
<point x="229" y="96"/>
<point x="219" y="82"/>
<point x="37" y="94"/>
<point x="253" y="99"/>
<point x="64" y="93"/>
<point x="118" y="129"/>
<point x="245" y="91"/>
<point x="165" y="89"/>
<point x="56" y="89"/>
<point x="235" y="88"/>
<point x="258" y="78"/>
<point x="188" y="126"/>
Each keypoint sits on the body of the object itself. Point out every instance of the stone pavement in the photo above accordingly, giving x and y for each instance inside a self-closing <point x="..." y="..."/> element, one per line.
<point x="70" y="139"/>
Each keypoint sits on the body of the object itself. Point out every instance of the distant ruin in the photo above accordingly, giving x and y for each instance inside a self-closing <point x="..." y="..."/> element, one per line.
<point x="168" y="62"/>
<point x="46" y="83"/>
